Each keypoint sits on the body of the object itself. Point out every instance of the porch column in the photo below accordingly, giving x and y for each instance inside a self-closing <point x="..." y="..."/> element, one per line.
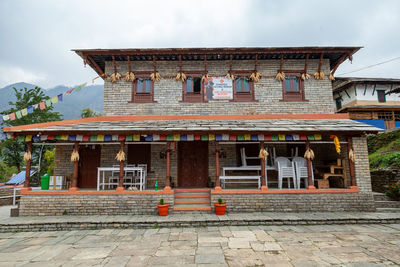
<point x="262" y="162"/>
<point x="217" y="168"/>
<point x="74" y="186"/>
<point x="351" y="163"/>
<point x="121" y="169"/>
<point x="168" y="172"/>
<point x="309" y="169"/>
<point x="27" y="186"/>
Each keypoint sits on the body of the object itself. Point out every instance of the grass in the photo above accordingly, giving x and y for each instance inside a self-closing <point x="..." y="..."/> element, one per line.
<point x="384" y="150"/>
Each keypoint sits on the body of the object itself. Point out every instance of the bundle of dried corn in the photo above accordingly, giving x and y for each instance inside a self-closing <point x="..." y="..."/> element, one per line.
<point x="74" y="156"/>
<point x="352" y="155"/>
<point x="255" y="76"/>
<point x="331" y="77"/>
<point x="337" y="143"/>
<point x="309" y="154"/>
<point x="280" y="76"/>
<point x="180" y="76"/>
<point x="319" y="75"/>
<point x="230" y="76"/>
<point x="263" y="154"/>
<point x="205" y="77"/>
<point x="120" y="156"/>
<point x="130" y="76"/>
<point x="27" y="156"/>
<point x="115" y="77"/>
<point x="305" y="76"/>
<point x="155" y="76"/>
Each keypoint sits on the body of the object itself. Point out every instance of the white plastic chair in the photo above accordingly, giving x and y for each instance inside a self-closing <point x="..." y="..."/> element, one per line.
<point x="114" y="178"/>
<point x="144" y="171"/>
<point x="285" y="170"/>
<point x="300" y="165"/>
<point x="244" y="158"/>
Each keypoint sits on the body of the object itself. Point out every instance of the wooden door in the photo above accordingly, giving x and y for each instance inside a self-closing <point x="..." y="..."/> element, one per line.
<point x="192" y="164"/>
<point x="89" y="161"/>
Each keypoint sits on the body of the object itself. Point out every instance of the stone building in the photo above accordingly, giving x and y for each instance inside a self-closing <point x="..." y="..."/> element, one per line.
<point x="204" y="119"/>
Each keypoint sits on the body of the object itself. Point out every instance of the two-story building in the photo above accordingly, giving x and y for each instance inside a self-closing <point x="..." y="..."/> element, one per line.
<point x="369" y="100"/>
<point x="226" y="122"/>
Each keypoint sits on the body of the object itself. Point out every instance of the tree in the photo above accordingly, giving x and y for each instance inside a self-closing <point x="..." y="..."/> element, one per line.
<point x="13" y="150"/>
<point x="87" y="113"/>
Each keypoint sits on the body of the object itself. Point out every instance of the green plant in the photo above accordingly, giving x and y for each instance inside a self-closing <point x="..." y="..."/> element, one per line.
<point x="220" y="201"/>
<point x="394" y="191"/>
<point x="65" y="212"/>
<point x="161" y="201"/>
<point x="17" y="231"/>
<point x="155" y="226"/>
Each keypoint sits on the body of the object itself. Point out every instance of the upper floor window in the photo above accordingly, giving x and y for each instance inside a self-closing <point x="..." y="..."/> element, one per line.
<point x="338" y="103"/>
<point x="243" y="87"/>
<point x="142" y="89"/>
<point x="381" y="96"/>
<point x="192" y="88"/>
<point x="293" y="87"/>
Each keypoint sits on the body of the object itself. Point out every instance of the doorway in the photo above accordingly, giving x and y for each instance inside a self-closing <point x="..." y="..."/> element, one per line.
<point x="192" y="164"/>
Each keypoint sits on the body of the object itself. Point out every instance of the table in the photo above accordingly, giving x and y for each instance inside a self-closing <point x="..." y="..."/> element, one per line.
<point x="102" y="170"/>
<point x="249" y="168"/>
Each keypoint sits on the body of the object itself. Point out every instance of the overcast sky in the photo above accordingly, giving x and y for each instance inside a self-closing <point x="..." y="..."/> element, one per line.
<point x="37" y="36"/>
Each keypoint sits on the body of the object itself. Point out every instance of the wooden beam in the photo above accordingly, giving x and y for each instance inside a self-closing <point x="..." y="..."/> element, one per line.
<point x="306" y="64"/>
<point x="347" y="93"/>
<point x="340" y="61"/>
<point x="351" y="163"/>
<point x="309" y="169"/>
<point x="27" y="184"/>
<point x="365" y="89"/>
<point x="217" y="167"/>
<point x="320" y="62"/>
<point x="121" y="169"/>
<point x="373" y="92"/>
<point x="168" y="169"/>
<point x="74" y="186"/>
<point x="96" y="67"/>
<point x="264" y="185"/>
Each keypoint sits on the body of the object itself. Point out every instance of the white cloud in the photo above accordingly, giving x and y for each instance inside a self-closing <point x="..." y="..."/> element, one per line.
<point x="14" y="74"/>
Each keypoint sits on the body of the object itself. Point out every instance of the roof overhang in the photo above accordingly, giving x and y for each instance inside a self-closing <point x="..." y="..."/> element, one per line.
<point x="96" y="58"/>
<point x="270" y="123"/>
<point x="342" y="83"/>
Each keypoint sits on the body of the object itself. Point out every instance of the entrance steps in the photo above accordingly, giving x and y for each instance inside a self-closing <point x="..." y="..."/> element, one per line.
<point x="385" y="204"/>
<point x="192" y="200"/>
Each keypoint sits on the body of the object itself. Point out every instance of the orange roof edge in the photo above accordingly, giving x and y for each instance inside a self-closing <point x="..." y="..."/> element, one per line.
<point x="180" y="117"/>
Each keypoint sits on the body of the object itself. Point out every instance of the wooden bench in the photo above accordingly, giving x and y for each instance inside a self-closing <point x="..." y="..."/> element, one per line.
<point x="239" y="179"/>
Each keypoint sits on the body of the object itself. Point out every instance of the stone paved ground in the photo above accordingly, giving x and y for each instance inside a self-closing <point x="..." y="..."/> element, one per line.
<point x="318" y="245"/>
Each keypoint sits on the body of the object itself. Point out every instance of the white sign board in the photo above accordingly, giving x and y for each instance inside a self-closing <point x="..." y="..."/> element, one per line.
<point x="218" y="88"/>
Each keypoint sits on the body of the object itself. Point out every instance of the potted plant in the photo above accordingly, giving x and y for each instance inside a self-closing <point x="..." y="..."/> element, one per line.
<point x="220" y="207"/>
<point x="162" y="208"/>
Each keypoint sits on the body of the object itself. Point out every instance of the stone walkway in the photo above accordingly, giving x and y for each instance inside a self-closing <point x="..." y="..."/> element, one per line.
<point x="337" y="245"/>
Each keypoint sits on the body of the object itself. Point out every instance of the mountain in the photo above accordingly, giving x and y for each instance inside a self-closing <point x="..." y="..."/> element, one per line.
<point x="89" y="97"/>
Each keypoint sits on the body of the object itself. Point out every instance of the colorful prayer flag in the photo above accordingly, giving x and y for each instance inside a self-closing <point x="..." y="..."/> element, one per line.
<point x="79" y="87"/>
<point x="48" y="103"/>
<point x="115" y="137"/>
<point x="30" y="109"/>
<point x="296" y="137"/>
<point x="211" y="137"/>
<point x="69" y="91"/>
<point x="274" y="137"/>
<point x="136" y="137"/>
<point x="107" y="137"/>
<point x="177" y="137"/>
<point x="93" y="138"/>
<point x="163" y="137"/>
<point x="247" y="137"/>
<point x="28" y="138"/>
<point x="6" y="118"/>
<point x="24" y="112"/>
<point x="156" y="137"/>
<point x="60" y="97"/>
<point x="18" y="114"/>
<point x="42" y="105"/>
<point x="240" y="137"/>
<point x="54" y="99"/>
<point x="204" y="137"/>
<point x="148" y="138"/>
<point x="310" y="137"/>
<point x="281" y="137"/>
<point x="121" y="137"/>
<point x="254" y="137"/>
<point x="225" y="137"/>
<point x="21" y="138"/>
<point x="1" y="119"/>
<point x="86" y="138"/>
<point x="11" y="116"/>
<point x="232" y="137"/>
<point x="197" y="137"/>
<point x="317" y="137"/>
<point x="260" y="137"/>
<point x="51" y="137"/>
<point x="35" y="106"/>
<point x="289" y="137"/>
<point x="190" y="137"/>
<point x="218" y="137"/>
<point x="100" y="137"/>
<point x="183" y="137"/>
<point x="303" y="137"/>
<point x="129" y="138"/>
<point x="43" y="137"/>
<point x="72" y="138"/>
<point x="170" y="137"/>
<point x="79" y="137"/>
<point x="36" y="138"/>
<point x="267" y="137"/>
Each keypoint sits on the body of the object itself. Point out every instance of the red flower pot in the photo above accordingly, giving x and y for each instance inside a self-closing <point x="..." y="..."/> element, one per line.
<point x="220" y="208"/>
<point x="163" y="209"/>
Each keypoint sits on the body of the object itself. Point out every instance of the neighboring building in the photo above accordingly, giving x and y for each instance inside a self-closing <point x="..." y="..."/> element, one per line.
<point x="369" y="100"/>
<point x="186" y="132"/>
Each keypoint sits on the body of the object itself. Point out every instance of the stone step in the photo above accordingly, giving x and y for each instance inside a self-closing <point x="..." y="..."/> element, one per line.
<point x="387" y="209"/>
<point x="195" y="190"/>
<point x="387" y="204"/>
<point x="192" y="196"/>
<point x="191" y="201"/>
<point x="381" y="197"/>
<point x="191" y="208"/>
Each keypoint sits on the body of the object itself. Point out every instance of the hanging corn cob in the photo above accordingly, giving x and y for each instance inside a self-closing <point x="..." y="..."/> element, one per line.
<point x="115" y="76"/>
<point x="263" y="154"/>
<point x="336" y="141"/>
<point x="352" y="155"/>
<point x="130" y="76"/>
<point x="331" y="77"/>
<point x="27" y="156"/>
<point x="319" y="75"/>
<point x="120" y="156"/>
<point x="155" y="76"/>
<point x="180" y="76"/>
<point x="255" y="76"/>
<point x="74" y="156"/>
<point x="309" y="154"/>
<point x="205" y="77"/>
<point x="280" y="76"/>
<point x="230" y="76"/>
<point x="305" y="76"/>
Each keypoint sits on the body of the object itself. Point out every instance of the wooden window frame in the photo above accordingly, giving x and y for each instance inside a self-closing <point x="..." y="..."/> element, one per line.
<point x="193" y="97"/>
<point x="243" y="96"/>
<point x="142" y="97"/>
<point x="293" y="96"/>
<point x="384" y="96"/>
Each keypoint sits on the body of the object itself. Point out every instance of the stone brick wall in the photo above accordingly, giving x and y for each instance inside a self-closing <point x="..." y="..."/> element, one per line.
<point x="296" y="202"/>
<point x="62" y="163"/>
<point x="91" y="204"/>
<point x="363" y="175"/>
<point x="168" y="91"/>
<point x="382" y="179"/>
<point x="6" y="196"/>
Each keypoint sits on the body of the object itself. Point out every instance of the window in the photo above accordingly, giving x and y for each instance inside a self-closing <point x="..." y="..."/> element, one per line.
<point x="192" y="88"/>
<point x="338" y="103"/>
<point x="243" y="88"/>
<point x="293" y="87"/>
<point x="381" y="96"/>
<point x="143" y="89"/>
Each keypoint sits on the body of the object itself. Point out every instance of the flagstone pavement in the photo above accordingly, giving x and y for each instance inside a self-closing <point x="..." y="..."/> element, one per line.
<point x="302" y="245"/>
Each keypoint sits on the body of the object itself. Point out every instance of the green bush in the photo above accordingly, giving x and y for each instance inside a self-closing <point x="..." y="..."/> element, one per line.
<point x="6" y="172"/>
<point x="394" y="191"/>
<point x="162" y="201"/>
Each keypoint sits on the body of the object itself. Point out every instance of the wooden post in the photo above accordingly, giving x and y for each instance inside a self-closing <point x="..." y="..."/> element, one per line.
<point x="121" y="169"/>
<point x="74" y="186"/>
<point x="168" y="172"/>
<point x="351" y="163"/>
<point x="217" y="168"/>
<point x="27" y="185"/>
<point x="309" y="169"/>
<point x="264" y="185"/>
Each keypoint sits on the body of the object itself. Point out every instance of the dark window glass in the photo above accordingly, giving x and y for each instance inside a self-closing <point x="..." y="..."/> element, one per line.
<point x="295" y="82"/>
<point x="246" y="85"/>
<point x="238" y="85"/>
<point x="287" y="84"/>
<point x="381" y="96"/>
<point x="196" y="85"/>
<point x="338" y="103"/>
